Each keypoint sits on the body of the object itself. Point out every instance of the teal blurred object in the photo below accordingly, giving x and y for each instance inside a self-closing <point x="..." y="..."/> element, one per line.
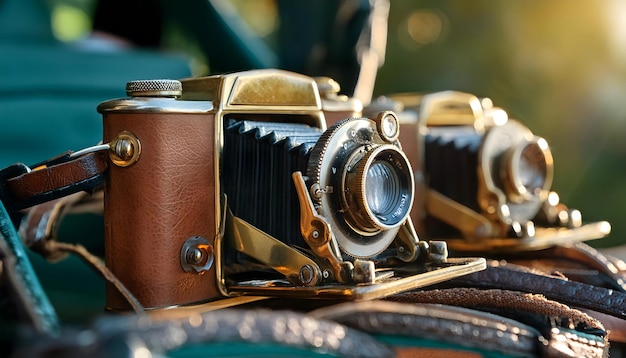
<point x="18" y="274"/>
<point x="49" y="90"/>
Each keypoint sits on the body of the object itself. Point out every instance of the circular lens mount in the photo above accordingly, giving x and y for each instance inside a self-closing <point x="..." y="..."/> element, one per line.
<point x="515" y="171"/>
<point x="365" y="186"/>
<point x="528" y="171"/>
<point x="376" y="193"/>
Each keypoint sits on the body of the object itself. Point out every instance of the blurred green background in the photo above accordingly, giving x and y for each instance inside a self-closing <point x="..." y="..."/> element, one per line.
<point x="558" y="66"/>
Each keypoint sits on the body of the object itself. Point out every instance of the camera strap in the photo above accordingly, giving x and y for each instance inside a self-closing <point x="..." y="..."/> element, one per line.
<point x="23" y="186"/>
<point x="576" y="294"/>
<point x="563" y="331"/>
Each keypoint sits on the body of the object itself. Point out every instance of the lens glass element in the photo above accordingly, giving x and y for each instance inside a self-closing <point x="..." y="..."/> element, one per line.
<point x="532" y="168"/>
<point x="383" y="189"/>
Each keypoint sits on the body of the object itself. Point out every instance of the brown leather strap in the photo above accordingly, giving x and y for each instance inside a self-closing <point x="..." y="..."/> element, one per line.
<point x="450" y="318"/>
<point x="497" y="298"/>
<point x="555" y="288"/>
<point x="457" y="330"/>
<point x="567" y="333"/>
<point x="21" y="188"/>
<point x="595" y="260"/>
<point x="576" y="261"/>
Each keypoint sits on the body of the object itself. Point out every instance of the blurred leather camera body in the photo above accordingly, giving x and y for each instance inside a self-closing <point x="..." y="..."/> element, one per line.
<point x="232" y="185"/>
<point x="483" y="180"/>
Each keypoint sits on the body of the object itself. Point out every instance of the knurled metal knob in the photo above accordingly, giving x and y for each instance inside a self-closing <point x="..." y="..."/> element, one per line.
<point x="154" y="88"/>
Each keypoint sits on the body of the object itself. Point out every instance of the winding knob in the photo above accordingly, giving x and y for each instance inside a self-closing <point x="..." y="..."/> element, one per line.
<point x="154" y="88"/>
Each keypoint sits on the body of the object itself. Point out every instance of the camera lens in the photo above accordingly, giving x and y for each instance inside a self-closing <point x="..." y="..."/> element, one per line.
<point x="382" y="188"/>
<point x="368" y="186"/>
<point x="532" y="168"/>
<point x="377" y="189"/>
<point x="528" y="170"/>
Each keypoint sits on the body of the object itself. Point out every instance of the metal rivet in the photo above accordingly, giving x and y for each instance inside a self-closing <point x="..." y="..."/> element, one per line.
<point x="307" y="274"/>
<point x="196" y="255"/>
<point x="124" y="149"/>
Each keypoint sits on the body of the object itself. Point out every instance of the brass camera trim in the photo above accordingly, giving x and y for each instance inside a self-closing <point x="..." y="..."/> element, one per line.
<point x="354" y="190"/>
<point x="124" y="149"/>
<point x="232" y="93"/>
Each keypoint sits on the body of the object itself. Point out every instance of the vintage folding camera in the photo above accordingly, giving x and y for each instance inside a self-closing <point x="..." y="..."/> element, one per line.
<point x="232" y="185"/>
<point x="484" y="180"/>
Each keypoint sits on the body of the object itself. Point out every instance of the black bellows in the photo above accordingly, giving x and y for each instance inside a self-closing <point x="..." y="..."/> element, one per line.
<point x="450" y="168"/>
<point x="257" y="162"/>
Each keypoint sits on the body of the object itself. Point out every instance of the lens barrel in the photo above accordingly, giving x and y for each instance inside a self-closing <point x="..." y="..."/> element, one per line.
<point x="378" y="193"/>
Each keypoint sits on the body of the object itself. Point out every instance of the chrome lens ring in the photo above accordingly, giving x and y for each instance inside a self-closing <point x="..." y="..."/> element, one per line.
<point x="378" y="191"/>
<point x="512" y="186"/>
<point x="529" y="170"/>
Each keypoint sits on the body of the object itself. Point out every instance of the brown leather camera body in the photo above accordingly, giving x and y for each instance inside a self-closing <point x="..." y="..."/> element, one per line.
<point x="165" y="198"/>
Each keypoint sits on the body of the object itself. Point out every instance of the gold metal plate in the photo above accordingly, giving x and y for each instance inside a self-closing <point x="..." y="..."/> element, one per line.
<point x="544" y="238"/>
<point x="403" y="279"/>
<point x="185" y="311"/>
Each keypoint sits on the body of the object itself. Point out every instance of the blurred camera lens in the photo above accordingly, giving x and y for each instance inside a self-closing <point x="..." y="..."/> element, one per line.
<point x="527" y="170"/>
<point x="532" y="169"/>
<point x="507" y="171"/>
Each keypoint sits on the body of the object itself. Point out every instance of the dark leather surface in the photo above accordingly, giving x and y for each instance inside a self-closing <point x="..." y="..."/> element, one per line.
<point x="555" y="288"/>
<point x="564" y="332"/>
<point x="453" y="325"/>
<point x="577" y="261"/>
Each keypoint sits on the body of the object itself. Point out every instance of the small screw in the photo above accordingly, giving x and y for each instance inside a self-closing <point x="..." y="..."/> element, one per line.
<point x="326" y="274"/>
<point x="124" y="149"/>
<point x="307" y="274"/>
<point x="195" y="256"/>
